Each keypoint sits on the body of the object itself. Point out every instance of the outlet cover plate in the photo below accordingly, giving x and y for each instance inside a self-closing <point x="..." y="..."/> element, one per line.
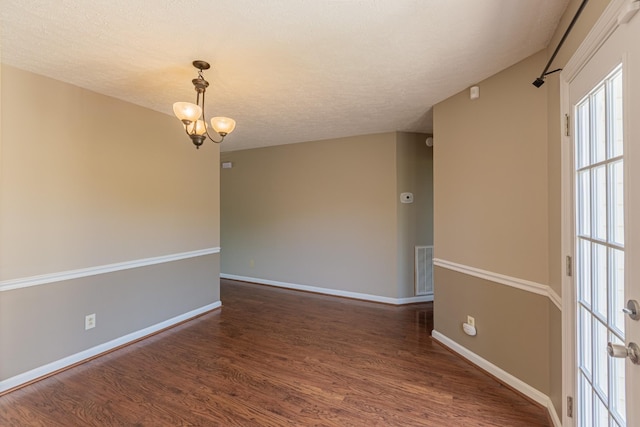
<point x="89" y="321"/>
<point x="471" y="321"/>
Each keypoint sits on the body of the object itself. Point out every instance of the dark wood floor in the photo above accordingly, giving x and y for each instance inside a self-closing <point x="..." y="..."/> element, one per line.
<point x="273" y="357"/>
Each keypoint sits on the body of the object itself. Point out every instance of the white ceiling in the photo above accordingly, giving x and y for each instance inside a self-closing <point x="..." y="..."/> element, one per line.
<point x="286" y="70"/>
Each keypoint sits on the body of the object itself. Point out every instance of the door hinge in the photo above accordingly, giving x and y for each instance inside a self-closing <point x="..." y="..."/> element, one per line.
<point x="569" y="406"/>
<point x="566" y="125"/>
<point x="569" y="266"/>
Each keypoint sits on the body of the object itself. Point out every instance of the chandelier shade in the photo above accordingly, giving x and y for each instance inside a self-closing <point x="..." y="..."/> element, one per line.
<point x="223" y="125"/>
<point x="193" y="118"/>
<point x="199" y="127"/>
<point x="187" y="111"/>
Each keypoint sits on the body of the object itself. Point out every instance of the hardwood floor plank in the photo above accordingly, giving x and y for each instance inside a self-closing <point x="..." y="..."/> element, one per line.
<point x="276" y="357"/>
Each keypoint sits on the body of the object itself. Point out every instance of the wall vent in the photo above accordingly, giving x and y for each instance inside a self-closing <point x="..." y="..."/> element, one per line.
<point x="424" y="270"/>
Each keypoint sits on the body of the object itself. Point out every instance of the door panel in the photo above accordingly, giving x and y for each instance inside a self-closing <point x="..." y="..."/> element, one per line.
<point x="605" y="101"/>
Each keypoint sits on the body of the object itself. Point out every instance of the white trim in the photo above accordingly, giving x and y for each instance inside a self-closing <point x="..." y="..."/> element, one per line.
<point x="52" y="367"/>
<point x="514" y="282"/>
<point x="412" y="300"/>
<point x="25" y="282"/>
<point x="512" y="381"/>
<point x="599" y="33"/>
<point x="553" y="414"/>
<point x="555" y="298"/>
<point x="567" y="214"/>
<point x="333" y="292"/>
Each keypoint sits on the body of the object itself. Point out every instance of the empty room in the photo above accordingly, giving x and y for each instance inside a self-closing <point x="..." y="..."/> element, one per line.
<point x="323" y="213"/>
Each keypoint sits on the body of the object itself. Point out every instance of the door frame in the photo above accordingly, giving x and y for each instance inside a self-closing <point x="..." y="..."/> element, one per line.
<point x="613" y="16"/>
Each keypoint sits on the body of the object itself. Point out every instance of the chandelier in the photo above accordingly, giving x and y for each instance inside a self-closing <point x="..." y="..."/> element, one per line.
<point x="192" y="115"/>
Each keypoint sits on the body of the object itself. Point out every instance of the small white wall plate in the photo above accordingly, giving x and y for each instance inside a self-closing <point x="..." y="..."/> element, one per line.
<point x="469" y="330"/>
<point x="406" y="197"/>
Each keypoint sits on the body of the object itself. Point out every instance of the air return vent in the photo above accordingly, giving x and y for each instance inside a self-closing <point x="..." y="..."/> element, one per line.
<point x="424" y="270"/>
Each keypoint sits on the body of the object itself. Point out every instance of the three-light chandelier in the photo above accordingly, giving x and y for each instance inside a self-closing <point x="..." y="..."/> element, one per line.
<point x="192" y="115"/>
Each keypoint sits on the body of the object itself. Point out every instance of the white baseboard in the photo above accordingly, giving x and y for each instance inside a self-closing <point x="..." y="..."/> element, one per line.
<point x="553" y="414"/>
<point x="333" y="292"/>
<point x="49" y="368"/>
<point x="505" y="377"/>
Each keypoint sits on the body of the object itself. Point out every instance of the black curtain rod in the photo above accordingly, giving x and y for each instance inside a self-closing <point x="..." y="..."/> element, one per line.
<point x="540" y="80"/>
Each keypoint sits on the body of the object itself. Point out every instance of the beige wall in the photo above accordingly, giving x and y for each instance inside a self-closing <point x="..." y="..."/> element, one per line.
<point x="519" y="346"/>
<point x="90" y="180"/>
<point x="490" y="175"/>
<point x="317" y="214"/>
<point x="497" y="207"/>
<point x="414" y="165"/>
<point x="325" y="213"/>
<point x="490" y="212"/>
<point x="43" y="324"/>
<point x="86" y="181"/>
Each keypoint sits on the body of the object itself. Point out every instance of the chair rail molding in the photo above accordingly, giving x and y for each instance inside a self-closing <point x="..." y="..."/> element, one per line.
<point x="25" y="282"/>
<point x="514" y="282"/>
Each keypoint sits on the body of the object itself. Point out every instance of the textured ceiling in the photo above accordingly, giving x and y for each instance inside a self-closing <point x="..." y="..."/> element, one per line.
<point x="286" y="70"/>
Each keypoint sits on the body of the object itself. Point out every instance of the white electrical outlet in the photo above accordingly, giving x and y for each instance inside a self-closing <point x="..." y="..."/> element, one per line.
<point x="90" y="321"/>
<point x="471" y="321"/>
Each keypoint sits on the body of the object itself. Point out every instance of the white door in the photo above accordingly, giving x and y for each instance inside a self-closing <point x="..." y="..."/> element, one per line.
<point x="604" y="99"/>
